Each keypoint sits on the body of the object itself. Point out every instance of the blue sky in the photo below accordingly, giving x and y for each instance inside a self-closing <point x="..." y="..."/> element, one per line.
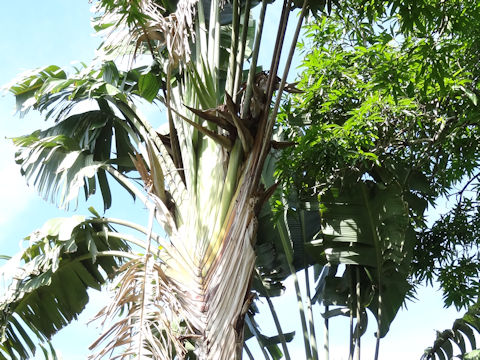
<point x="39" y="33"/>
<point x="33" y="34"/>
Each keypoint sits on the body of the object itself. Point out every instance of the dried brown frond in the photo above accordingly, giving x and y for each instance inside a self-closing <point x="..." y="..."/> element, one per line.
<point x="152" y="314"/>
<point x="155" y="27"/>
<point x="139" y="164"/>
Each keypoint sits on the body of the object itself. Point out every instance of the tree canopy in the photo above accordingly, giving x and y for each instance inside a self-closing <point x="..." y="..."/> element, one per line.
<point x="387" y="125"/>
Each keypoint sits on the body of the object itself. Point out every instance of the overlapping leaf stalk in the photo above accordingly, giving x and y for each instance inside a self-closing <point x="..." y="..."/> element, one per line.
<point x="200" y="172"/>
<point x="222" y="150"/>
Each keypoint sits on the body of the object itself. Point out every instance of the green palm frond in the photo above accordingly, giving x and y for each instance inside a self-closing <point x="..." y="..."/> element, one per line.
<point x="459" y="341"/>
<point x="109" y="134"/>
<point x="46" y="284"/>
<point x="69" y="156"/>
<point x="363" y="225"/>
<point x="29" y="83"/>
<point x="367" y="225"/>
<point x="54" y="92"/>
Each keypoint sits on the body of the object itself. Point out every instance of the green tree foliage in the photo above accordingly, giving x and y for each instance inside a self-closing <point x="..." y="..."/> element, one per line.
<point x="389" y="107"/>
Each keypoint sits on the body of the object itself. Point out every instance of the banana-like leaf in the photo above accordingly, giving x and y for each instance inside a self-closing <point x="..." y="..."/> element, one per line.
<point x="299" y="226"/>
<point x="49" y="352"/>
<point x="68" y="156"/>
<point x="46" y="284"/>
<point x="271" y="261"/>
<point x="30" y="83"/>
<point x="367" y="225"/>
<point x="463" y="332"/>
<point x="51" y="90"/>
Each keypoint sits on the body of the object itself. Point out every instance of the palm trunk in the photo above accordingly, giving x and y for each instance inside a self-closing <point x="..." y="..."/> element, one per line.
<point x="227" y="298"/>
<point x="209" y="210"/>
<point x="226" y="273"/>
